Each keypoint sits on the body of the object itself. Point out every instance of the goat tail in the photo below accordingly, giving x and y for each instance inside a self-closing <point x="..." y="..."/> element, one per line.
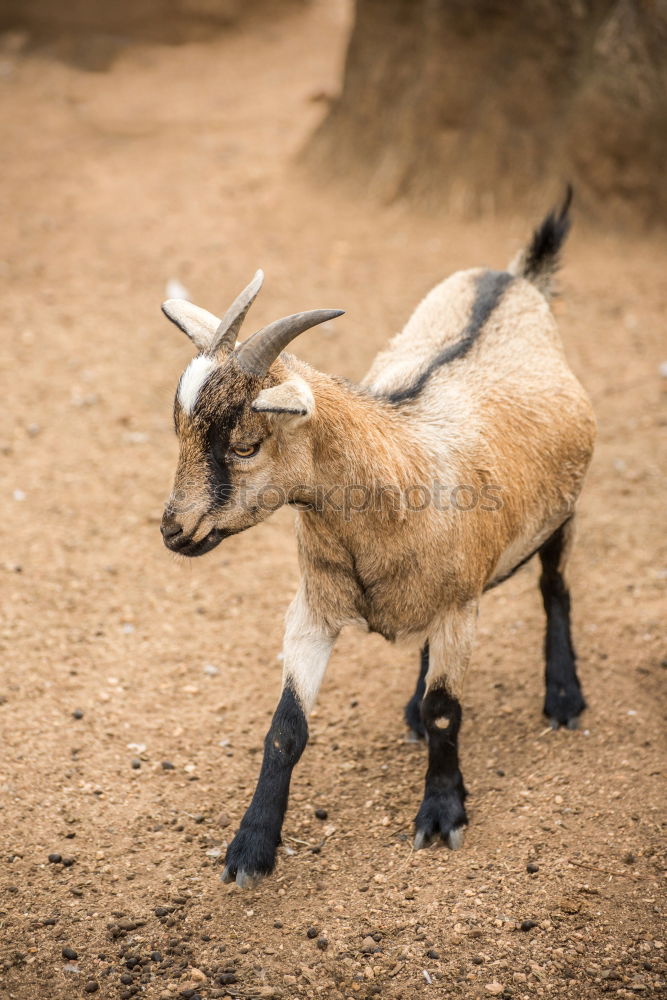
<point x="539" y="261"/>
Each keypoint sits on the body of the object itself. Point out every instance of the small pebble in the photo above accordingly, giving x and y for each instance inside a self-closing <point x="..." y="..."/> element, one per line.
<point x="136" y="763"/>
<point x="55" y="859"/>
<point x="321" y="814"/>
<point x="51" y="922"/>
<point x="432" y="953"/>
<point x="156" y="956"/>
<point x="77" y="713"/>
<point x="68" y="862"/>
<point x="322" y="943"/>
<point x="126" y="979"/>
<point x="69" y="954"/>
<point x="532" y="868"/>
<point x="527" y="925"/>
<point x="277" y="923"/>
<point x="91" y="987"/>
<point x="312" y="932"/>
<point x="167" y="765"/>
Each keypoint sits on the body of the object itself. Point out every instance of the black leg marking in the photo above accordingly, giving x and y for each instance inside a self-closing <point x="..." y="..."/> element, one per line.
<point x="442" y="813"/>
<point x="564" y="701"/>
<point x="412" y="711"/>
<point x="252" y="852"/>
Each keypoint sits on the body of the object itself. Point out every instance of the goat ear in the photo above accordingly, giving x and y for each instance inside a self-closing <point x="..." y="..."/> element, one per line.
<point x="198" y="324"/>
<point x="291" y="401"/>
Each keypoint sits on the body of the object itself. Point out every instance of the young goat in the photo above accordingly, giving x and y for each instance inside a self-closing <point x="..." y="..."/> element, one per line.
<point x="458" y="458"/>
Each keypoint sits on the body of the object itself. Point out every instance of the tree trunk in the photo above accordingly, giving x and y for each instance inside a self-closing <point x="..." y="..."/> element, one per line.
<point x="486" y="105"/>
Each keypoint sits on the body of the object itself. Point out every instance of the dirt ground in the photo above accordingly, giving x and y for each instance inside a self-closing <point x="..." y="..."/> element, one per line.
<point x="178" y="163"/>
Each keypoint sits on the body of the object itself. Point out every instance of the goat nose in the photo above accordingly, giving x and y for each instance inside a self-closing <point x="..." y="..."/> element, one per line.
<point x="170" y="527"/>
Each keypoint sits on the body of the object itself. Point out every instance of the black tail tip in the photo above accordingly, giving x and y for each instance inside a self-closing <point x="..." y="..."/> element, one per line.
<point x="549" y="237"/>
<point x="541" y="258"/>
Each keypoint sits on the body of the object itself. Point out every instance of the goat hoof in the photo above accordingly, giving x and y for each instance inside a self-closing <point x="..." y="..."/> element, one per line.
<point x="563" y="706"/>
<point x="248" y="880"/>
<point x="441" y="818"/>
<point x="244" y="880"/>
<point x="455" y="838"/>
<point x="421" y="840"/>
<point x="571" y="724"/>
<point x="250" y="856"/>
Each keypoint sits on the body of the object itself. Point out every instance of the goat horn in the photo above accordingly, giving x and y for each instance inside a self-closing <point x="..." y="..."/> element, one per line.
<point x="224" y="338"/>
<point x="257" y="353"/>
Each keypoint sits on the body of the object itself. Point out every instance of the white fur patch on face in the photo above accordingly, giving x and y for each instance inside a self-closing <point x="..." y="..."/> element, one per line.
<point x="192" y="380"/>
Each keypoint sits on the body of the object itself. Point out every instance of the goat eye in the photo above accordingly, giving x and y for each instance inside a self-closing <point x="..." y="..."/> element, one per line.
<point x="245" y="451"/>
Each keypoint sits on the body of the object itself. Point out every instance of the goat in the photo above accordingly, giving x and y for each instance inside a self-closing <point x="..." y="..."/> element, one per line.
<point x="459" y="456"/>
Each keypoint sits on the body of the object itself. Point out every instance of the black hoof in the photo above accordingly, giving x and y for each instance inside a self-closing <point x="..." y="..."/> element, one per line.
<point x="250" y="856"/>
<point x="441" y="818"/>
<point x="563" y="706"/>
<point x="413" y="717"/>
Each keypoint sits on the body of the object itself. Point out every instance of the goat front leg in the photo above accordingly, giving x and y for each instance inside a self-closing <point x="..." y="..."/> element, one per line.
<point x="252" y="852"/>
<point x="442" y="814"/>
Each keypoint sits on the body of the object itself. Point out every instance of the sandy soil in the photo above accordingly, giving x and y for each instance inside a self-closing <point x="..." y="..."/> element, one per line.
<point x="178" y="163"/>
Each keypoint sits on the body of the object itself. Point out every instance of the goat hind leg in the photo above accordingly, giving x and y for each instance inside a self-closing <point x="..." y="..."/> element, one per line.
<point x="564" y="701"/>
<point x="413" y="709"/>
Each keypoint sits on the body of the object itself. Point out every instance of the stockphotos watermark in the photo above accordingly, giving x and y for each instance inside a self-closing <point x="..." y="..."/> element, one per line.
<point x="349" y="500"/>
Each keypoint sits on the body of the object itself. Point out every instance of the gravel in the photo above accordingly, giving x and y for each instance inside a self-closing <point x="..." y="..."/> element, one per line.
<point x="69" y="954"/>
